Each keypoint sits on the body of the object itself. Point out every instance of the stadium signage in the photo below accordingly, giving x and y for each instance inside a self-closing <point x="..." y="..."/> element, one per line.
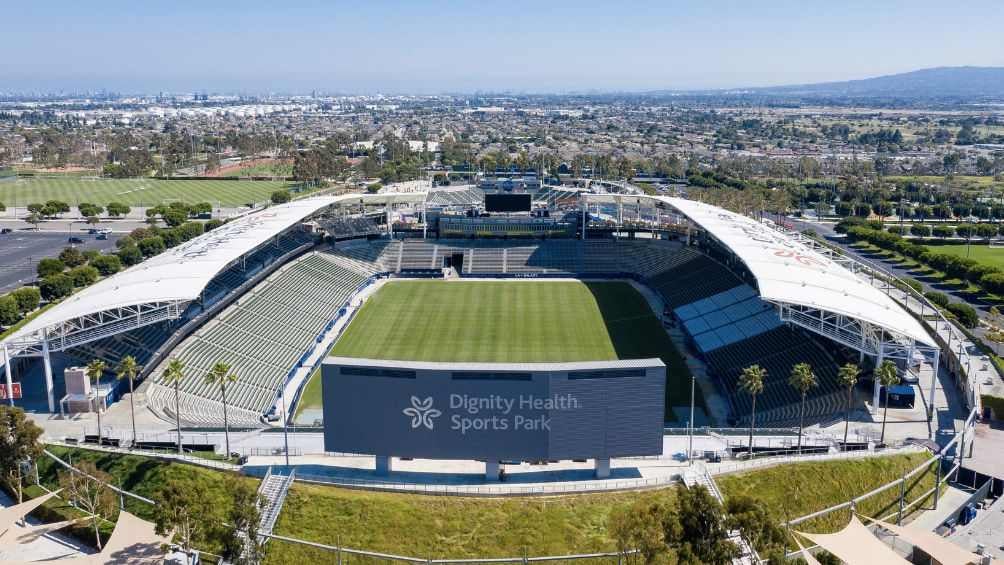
<point x="483" y="411"/>
<point x="496" y="412"/>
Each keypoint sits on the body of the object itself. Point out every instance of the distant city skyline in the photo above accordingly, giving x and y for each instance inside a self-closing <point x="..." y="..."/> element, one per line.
<point x="396" y="47"/>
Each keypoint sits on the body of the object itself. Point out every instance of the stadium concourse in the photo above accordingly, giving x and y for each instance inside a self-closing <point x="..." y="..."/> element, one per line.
<point x="265" y="294"/>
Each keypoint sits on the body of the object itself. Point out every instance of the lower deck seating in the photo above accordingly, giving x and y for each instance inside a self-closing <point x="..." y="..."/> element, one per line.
<point x="777" y="351"/>
<point x="262" y="336"/>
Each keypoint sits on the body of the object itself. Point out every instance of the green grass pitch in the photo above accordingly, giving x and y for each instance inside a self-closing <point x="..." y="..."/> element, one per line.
<point x="134" y="192"/>
<point x="993" y="256"/>
<point x="509" y="321"/>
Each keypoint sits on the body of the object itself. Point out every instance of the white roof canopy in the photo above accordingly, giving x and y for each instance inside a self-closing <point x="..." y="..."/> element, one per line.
<point x="181" y="273"/>
<point x="788" y="271"/>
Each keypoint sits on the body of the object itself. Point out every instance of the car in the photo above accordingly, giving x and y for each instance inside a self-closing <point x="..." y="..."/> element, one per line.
<point x="93" y="231"/>
<point x="102" y="236"/>
<point x="6" y="230"/>
<point x="74" y="239"/>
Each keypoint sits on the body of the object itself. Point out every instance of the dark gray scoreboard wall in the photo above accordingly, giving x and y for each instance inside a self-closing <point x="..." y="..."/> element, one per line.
<point x="540" y="411"/>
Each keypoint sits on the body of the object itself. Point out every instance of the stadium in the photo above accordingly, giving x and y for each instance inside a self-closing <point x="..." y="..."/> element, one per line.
<point x="495" y="289"/>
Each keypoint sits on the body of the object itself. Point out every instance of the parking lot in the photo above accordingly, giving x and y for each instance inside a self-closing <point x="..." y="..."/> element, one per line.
<point x="21" y="250"/>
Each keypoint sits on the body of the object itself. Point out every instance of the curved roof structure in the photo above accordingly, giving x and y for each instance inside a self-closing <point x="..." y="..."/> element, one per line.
<point x="789" y="272"/>
<point x="181" y="273"/>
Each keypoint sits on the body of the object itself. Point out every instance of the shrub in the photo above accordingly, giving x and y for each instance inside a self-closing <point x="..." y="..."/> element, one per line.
<point x="280" y="197"/>
<point x="213" y="224"/>
<point x="27" y="298"/>
<point x="175" y="217"/>
<point x="171" y="237"/>
<point x="943" y="231"/>
<point x="920" y="230"/>
<point x="898" y="230"/>
<point x="107" y="264"/>
<point x="986" y="230"/>
<point x="965" y="313"/>
<point x="965" y="230"/>
<point x="9" y="314"/>
<point x="72" y="257"/>
<point x="87" y="209"/>
<point x="116" y="209"/>
<point x="130" y="255"/>
<point x="54" y="287"/>
<point x="993" y="282"/>
<point x="83" y="276"/>
<point x="151" y="246"/>
<point x="937" y="298"/>
<point x="191" y="230"/>
<point x="977" y="272"/>
<point x="50" y="266"/>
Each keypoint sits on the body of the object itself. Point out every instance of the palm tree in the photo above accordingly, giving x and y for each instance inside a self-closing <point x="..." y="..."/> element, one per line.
<point x="94" y="370"/>
<point x="128" y="369"/>
<point x="802" y="379"/>
<point x="173" y="375"/>
<point x="751" y="382"/>
<point x="887" y="376"/>
<point x="847" y="376"/>
<point x="220" y="376"/>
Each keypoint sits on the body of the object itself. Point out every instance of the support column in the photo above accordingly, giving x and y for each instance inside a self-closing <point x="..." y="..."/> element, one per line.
<point x="602" y="468"/>
<point x="491" y="471"/>
<point x="48" y="375"/>
<point x="383" y="465"/>
<point x="934" y="382"/>
<point x="10" y="381"/>
<point x="878" y="385"/>
<point x="585" y="208"/>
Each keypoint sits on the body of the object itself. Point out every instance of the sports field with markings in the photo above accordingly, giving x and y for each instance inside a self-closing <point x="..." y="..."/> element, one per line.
<point x="134" y="192"/>
<point x="509" y="321"/>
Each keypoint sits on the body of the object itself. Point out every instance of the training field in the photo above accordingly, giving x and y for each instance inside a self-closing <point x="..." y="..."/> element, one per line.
<point x="134" y="192"/>
<point x="510" y="321"/>
<point x="981" y="253"/>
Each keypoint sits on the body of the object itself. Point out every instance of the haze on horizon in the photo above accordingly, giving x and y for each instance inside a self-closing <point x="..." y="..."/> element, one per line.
<point x="522" y="46"/>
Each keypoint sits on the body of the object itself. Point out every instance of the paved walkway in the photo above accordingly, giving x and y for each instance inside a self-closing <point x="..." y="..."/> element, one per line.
<point x="48" y="547"/>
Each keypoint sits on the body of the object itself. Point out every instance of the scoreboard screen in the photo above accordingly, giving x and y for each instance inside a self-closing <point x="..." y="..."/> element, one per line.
<point x="507" y="202"/>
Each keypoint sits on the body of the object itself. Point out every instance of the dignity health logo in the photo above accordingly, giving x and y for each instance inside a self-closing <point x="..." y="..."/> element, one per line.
<point x="421" y="412"/>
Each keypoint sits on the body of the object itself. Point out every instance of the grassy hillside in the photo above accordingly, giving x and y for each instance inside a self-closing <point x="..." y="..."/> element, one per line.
<point x="137" y="474"/>
<point x="455" y="527"/>
<point x="798" y="489"/>
<point x="458" y="527"/>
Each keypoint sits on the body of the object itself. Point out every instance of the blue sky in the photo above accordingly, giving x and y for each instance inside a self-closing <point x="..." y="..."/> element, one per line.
<point x="419" y="46"/>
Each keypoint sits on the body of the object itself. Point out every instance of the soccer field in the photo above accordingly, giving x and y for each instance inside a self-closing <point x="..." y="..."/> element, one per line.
<point x="510" y="321"/>
<point x="993" y="256"/>
<point x="518" y="321"/>
<point x="134" y="192"/>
